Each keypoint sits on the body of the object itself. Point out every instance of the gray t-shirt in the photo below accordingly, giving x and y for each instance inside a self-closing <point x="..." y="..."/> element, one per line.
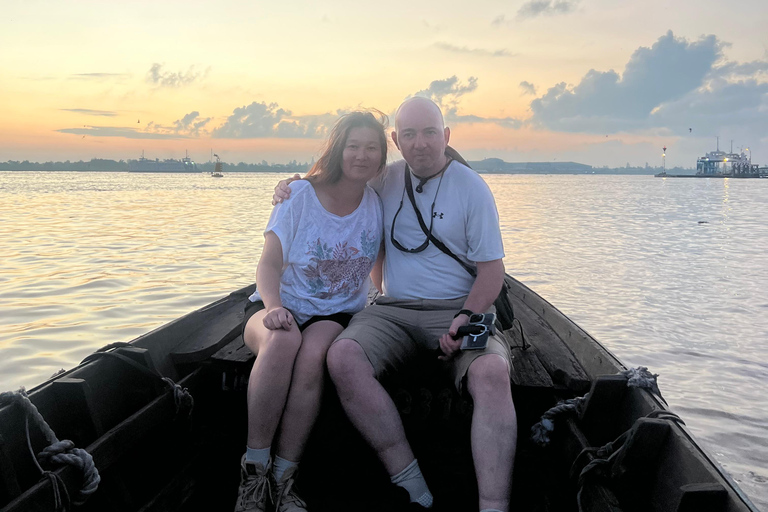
<point x="327" y="259"/>
<point x="464" y="218"/>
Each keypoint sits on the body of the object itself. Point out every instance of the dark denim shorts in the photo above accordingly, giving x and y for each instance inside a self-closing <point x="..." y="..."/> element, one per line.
<point x="251" y="308"/>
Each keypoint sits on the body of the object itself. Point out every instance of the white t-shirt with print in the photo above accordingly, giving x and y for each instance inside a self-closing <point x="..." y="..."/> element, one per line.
<point x="327" y="259"/>
<point x="464" y="218"/>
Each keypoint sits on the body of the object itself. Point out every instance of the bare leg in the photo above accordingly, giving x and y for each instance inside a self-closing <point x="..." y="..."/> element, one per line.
<point x="368" y="406"/>
<point x="270" y="377"/>
<point x="494" y="430"/>
<point x="306" y="391"/>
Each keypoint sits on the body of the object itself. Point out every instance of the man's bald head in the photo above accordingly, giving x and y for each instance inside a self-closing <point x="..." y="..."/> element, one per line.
<point x="421" y="104"/>
<point x="421" y="136"/>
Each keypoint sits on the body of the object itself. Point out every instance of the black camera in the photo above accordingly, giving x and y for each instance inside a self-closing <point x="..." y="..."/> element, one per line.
<point x="476" y="333"/>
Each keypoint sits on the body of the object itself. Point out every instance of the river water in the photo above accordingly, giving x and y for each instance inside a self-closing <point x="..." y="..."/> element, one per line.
<point x="667" y="273"/>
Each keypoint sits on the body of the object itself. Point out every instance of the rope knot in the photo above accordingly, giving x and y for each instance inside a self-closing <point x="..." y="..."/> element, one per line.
<point x="64" y="453"/>
<point x="183" y="399"/>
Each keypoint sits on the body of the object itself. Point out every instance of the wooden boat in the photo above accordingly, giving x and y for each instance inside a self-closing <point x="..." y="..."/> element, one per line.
<point x="153" y="451"/>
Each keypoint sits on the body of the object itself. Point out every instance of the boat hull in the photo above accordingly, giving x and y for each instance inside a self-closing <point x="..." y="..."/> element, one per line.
<point x="153" y="455"/>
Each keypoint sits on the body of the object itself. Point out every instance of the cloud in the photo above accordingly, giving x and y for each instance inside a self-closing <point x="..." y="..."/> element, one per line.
<point x="97" y="76"/>
<point x="89" y="112"/>
<point x="262" y="120"/>
<point x="448" y="89"/>
<point x="527" y="87"/>
<point x="737" y="108"/>
<point x="473" y="51"/>
<point x="118" y="131"/>
<point x="157" y="76"/>
<point x="499" y="21"/>
<point x="191" y="125"/>
<point x="605" y="101"/>
<point x="535" y="8"/>
<point x="447" y="94"/>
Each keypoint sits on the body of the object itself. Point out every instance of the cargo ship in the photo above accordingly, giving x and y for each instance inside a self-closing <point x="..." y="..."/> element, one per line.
<point x="719" y="164"/>
<point x="185" y="165"/>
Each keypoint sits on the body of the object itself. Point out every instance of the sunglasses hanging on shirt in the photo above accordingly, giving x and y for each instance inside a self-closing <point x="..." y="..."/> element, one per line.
<point x="409" y="188"/>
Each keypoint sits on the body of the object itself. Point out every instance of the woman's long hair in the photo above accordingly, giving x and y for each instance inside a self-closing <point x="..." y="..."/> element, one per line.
<point x="327" y="169"/>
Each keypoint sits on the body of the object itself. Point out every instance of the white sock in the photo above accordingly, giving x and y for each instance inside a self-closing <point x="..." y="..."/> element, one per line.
<point x="257" y="455"/>
<point x="413" y="481"/>
<point x="280" y="466"/>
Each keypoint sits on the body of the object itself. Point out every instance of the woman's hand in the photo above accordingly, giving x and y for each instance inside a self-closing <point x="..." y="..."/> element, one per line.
<point x="278" y="318"/>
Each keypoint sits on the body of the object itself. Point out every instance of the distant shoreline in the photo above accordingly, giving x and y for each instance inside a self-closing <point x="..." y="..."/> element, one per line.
<point x="487" y="166"/>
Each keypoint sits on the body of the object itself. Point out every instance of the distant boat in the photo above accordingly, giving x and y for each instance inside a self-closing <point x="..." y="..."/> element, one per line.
<point x="719" y="164"/>
<point x="217" y="169"/>
<point x="185" y="165"/>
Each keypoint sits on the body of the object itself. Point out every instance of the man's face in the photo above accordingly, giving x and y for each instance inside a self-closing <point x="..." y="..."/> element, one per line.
<point x="421" y="137"/>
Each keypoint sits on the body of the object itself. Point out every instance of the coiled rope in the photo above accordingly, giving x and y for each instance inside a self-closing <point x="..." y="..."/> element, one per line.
<point x="638" y="377"/>
<point x="58" y="452"/>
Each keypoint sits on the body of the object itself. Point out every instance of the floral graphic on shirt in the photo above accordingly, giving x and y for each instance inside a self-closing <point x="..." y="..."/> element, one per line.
<point x="339" y="270"/>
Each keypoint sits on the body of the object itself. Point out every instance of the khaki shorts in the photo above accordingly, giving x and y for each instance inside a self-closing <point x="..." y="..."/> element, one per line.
<point x="392" y="331"/>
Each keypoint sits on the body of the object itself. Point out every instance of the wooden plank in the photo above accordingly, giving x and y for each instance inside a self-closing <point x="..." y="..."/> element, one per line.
<point x="75" y="397"/>
<point x="107" y="450"/>
<point x="161" y="341"/>
<point x="234" y="360"/>
<point x="234" y="352"/>
<point x="222" y="326"/>
<point x="527" y="370"/>
<point x="562" y="366"/>
<point x="596" y="497"/>
<point x="9" y="484"/>
<point x="590" y="354"/>
<point x="711" y="497"/>
<point x="175" y="495"/>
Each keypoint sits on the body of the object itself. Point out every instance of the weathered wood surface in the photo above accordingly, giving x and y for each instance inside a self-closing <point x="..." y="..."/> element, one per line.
<point x="120" y="441"/>
<point x="128" y="420"/>
<point x="220" y="324"/>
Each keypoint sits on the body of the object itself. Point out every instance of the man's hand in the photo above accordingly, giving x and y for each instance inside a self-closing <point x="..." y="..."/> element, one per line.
<point x="278" y="318"/>
<point x="448" y="345"/>
<point x="282" y="190"/>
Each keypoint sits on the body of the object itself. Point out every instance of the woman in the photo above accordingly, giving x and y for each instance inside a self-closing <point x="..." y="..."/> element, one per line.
<point x="320" y="246"/>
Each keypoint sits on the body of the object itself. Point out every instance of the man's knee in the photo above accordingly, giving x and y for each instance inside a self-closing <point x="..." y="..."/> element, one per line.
<point x="488" y="378"/>
<point x="345" y="358"/>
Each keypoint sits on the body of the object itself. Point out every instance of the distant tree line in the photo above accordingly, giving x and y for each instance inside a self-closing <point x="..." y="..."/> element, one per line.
<point x="489" y="165"/>
<point x="102" y="165"/>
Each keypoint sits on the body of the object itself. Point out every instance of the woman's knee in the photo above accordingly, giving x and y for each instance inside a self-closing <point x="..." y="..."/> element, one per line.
<point x="279" y="344"/>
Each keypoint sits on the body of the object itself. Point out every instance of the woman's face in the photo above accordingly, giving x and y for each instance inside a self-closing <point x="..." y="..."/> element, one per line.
<point x="362" y="154"/>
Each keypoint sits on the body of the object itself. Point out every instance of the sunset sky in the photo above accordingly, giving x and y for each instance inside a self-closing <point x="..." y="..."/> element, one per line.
<point x="593" y="81"/>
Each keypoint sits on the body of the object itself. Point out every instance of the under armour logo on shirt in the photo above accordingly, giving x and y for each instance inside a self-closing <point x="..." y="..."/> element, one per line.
<point x="437" y="215"/>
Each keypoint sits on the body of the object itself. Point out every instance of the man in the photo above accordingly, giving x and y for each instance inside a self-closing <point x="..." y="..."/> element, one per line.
<point x="428" y="295"/>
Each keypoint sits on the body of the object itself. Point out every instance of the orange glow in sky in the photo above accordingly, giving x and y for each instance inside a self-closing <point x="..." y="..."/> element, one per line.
<point x="601" y="83"/>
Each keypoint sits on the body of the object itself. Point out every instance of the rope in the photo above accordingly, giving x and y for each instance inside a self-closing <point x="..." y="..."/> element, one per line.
<point x="57" y="452"/>
<point x="182" y="398"/>
<point x="638" y="377"/>
<point x="541" y="431"/>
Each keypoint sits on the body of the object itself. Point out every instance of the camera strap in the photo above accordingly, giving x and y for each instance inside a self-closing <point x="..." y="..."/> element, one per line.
<point x="437" y="243"/>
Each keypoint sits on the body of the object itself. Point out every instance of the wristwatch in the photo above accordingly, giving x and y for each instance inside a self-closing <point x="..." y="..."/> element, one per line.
<point x="464" y="312"/>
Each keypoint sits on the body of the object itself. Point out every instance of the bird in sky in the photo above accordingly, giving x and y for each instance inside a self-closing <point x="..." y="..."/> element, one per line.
<point x="690" y="130"/>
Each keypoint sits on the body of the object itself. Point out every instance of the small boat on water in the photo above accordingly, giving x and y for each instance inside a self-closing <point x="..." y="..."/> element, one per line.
<point x="217" y="168"/>
<point x="161" y="424"/>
